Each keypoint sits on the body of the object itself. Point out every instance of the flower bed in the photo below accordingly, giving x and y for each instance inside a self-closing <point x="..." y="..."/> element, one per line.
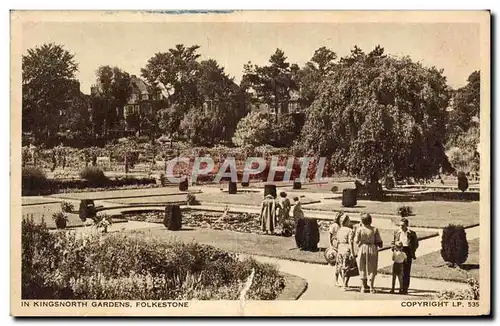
<point x="238" y="222"/>
<point x="62" y="265"/>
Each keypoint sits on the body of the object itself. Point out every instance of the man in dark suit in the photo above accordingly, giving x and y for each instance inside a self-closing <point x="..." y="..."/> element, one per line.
<point x="410" y="245"/>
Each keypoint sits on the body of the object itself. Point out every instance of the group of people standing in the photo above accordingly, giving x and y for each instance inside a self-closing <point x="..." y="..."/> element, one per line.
<point x="274" y="213"/>
<point x="357" y="252"/>
<point x="275" y="219"/>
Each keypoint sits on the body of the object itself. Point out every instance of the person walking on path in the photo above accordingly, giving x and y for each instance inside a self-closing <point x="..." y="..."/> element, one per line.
<point x="345" y="257"/>
<point x="299" y="222"/>
<point x="333" y="248"/>
<point x="268" y="214"/>
<point x="368" y="240"/>
<point x="409" y="240"/>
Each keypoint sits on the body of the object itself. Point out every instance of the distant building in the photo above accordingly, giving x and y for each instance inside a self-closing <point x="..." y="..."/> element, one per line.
<point x="292" y="105"/>
<point x="143" y="101"/>
<point x="143" y="98"/>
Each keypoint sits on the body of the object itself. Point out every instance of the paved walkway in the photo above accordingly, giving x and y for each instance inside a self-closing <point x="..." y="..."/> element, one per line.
<point x="321" y="283"/>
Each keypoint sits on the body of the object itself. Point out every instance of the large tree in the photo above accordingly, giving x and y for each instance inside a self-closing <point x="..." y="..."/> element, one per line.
<point x="272" y="83"/>
<point x="314" y="72"/>
<point x="114" y="89"/>
<point x="48" y="81"/>
<point x="464" y="109"/>
<point x="378" y="114"/>
<point x="176" y="72"/>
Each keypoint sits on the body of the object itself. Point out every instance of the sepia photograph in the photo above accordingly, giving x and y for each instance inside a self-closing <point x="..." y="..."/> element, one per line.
<point x="250" y="163"/>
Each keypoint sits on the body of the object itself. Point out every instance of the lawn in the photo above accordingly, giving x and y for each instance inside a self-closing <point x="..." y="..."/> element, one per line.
<point x="26" y="201"/>
<point x="255" y="244"/>
<point x="430" y="214"/>
<point x="249" y="198"/>
<point x="160" y="200"/>
<point x="45" y="212"/>
<point x="120" y="194"/>
<point x="432" y="266"/>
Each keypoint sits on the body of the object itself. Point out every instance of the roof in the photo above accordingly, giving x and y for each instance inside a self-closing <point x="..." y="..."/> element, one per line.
<point x="139" y="84"/>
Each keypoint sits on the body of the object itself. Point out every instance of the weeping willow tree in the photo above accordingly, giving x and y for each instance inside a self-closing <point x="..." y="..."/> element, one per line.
<point x="377" y="114"/>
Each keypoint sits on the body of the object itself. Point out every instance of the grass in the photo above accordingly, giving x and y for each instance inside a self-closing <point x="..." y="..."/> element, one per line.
<point x="160" y="200"/>
<point x="431" y="214"/>
<point x="294" y="287"/>
<point x="255" y="244"/>
<point x="432" y="266"/>
<point x="111" y="194"/>
<point x="45" y="212"/>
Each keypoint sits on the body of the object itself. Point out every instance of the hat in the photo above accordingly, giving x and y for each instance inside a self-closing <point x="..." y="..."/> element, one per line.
<point x="343" y="219"/>
<point x="338" y="216"/>
<point x="399" y="244"/>
<point x="269" y="196"/>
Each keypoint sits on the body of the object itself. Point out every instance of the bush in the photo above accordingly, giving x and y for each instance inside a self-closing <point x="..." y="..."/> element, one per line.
<point x="67" y="207"/>
<point x="311" y="234"/>
<point x="334" y="189"/>
<point x="349" y="197"/>
<point x="454" y="245"/>
<point x="471" y="293"/>
<point x="173" y="218"/>
<point x="94" y="175"/>
<point x="134" y="267"/>
<point x="34" y="181"/>
<point x="404" y="211"/>
<point x="463" y="183"/>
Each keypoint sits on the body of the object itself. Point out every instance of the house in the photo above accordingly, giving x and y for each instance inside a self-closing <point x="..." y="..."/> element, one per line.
<point x="287" y="106"/>
<point x="142" y="99"/>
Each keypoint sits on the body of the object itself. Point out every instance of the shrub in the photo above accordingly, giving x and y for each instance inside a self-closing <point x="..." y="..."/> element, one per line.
<point x="173" y="218"/>
<point x="349" y="197"/>
<point x="94" y="175"/>
<point x="404" y="211"/>
<point x="67" y="207"/>
<point x="134" y="267"/>
<point x="34" y="181"/>
<point x="463" y="183"/>
<point x="334" y="189"/>
<point x="454" y="245"/>
<point x="102" y="222"/>
<point x="471" y="293"/>
<point x="310" y="234"/>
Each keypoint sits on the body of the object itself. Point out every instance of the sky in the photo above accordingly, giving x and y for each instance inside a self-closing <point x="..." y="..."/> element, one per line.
<point x="453" y="47"/>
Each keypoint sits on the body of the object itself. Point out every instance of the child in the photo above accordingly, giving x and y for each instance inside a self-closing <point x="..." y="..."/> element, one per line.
<point x="398" y="257"/>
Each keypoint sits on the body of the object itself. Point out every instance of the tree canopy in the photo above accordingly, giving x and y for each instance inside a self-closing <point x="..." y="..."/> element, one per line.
<point x="377" y="114"/>
<point x="48" y="85"/>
